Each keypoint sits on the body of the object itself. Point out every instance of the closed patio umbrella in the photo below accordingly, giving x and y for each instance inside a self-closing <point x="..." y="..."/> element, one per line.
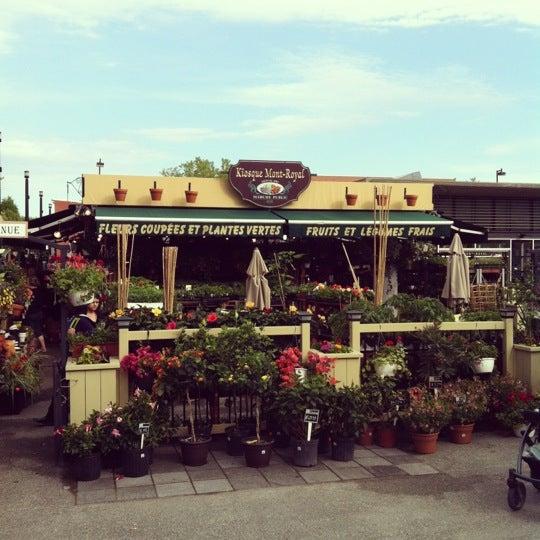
<point x="257" y="288"/>
<point x="457" y="286"/>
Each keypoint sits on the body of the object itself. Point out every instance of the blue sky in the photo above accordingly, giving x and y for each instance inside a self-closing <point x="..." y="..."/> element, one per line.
<point x="444" y="88"/>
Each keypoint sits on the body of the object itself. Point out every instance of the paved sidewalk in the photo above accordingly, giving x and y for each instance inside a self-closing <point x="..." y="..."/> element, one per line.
<point x="169" y="477"/>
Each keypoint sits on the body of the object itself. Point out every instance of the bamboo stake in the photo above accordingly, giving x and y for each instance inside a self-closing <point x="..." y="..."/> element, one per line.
<point x="356" y="283"/>
<point x="282" y="293"/>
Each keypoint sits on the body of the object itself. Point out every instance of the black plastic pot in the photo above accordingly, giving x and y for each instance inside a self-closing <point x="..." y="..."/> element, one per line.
<point x="305" y="453"/>
<point x="257" y="454"/>
<point x="111" y="460"/>
<point x="195" y="454"/>
<point x="281" y="438"/>
<point x="85" y="468"/>
<point x="343" y="448"/>
<point x="325" y="443"/>
<point x="135" y="462"/>
<point x="234" y="437"/>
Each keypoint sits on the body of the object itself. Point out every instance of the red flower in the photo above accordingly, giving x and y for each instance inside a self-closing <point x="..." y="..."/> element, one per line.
<point x="389" y="343"/>
<point x="170" y="325"/>
<point x="211" y="318"/>
<point x="190" y="315"/>
<point x="511" y="397"/>
<point x="399" y="339"/>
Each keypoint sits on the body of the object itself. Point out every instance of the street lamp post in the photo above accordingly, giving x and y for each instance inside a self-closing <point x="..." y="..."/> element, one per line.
<point x="498" y="173"/>
<point x="26" y="195"/>
<point x="50" y="208"/>
<point x="99" y="165"/>
<point x="41" y="204"/>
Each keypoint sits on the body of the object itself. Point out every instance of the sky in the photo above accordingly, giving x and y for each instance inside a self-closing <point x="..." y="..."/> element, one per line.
<point x="447" y="88"/>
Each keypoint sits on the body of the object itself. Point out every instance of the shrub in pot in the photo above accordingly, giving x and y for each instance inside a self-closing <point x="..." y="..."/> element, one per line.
<point x="467" y="400"/>
<point x="141" y="366"/>
<point x="136" y="450"/>
<point x="348" y="413"/>
<point x="108" y="434"/>
<point x="80" y="444"/>
<point x="426" y="415"/>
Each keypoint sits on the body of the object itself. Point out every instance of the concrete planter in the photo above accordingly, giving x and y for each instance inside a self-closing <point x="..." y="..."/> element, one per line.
<point x="346" y="368"/>
<point x="92" y="387"/>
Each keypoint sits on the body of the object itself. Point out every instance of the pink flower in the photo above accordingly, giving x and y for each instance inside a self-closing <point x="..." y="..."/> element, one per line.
<point x="211" y="318"/>
<point x="115" y="433"/>
<point x="99" y="421"/>
<point x="87" y="427"/>
<point x="170" y="325"/>
<point x="119" y="419"/>
<point x="58" y="431"/>
<point x="137" y="392"/>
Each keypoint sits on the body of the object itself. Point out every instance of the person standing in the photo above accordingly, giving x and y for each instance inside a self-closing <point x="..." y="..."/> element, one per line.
<point x="34" y="314"/>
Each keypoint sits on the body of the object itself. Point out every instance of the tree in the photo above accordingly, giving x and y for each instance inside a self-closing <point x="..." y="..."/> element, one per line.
<point x="198" y="167"/>
<point x="9" y="210"/>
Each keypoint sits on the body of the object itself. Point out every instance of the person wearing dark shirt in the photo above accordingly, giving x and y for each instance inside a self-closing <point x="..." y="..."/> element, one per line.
<point x="34" y="315"/>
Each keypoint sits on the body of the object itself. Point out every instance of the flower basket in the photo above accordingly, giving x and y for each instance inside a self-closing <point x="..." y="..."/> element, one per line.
<point x="78" y="298"/>
<point x="156" y="193"/>
<point x="191" y="196"/>
<point x="483" y="365"/>
<point x="17" y="310"/>
<point x="120" y="194"/>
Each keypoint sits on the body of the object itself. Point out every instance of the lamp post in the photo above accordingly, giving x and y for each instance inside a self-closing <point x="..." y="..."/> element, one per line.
<point x="41" y="204"/>
<point x="50" y="209"/>
<point x="26" y="195"/>
<point x="99" y="165"/>
<point x="498" y="173"/>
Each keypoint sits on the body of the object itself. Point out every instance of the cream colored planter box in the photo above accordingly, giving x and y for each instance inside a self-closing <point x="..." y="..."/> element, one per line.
<point x="527" y="366"/>
<point x="346" y="367"/>
<point x="92" y="387"/>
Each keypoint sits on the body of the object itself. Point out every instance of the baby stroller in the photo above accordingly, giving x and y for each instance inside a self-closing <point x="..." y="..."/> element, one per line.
<point x="529" y="452"/>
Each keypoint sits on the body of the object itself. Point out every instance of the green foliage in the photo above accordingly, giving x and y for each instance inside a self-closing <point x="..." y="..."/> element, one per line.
<point x="101" y="334"/>
<point x="19" y="372"/>
<point x="383" y="397"/>
<point x="282" y="266"/>
<point x="426" y="413"/>
<point x="467" y="399"/>
<point x="211" y="290"/>
<point x="414" y="309"/>
<point x="480" y="349"/>
<point x="13" y="275"/>
<point x="106" y="423"/>
<point x="90" y="279"/>
<point x="349" y="411"/>
<point x="481" y="316"/>
<point x="79" y="440"/>
<point x="9" y="210"/>
<point x="199" y="167"/>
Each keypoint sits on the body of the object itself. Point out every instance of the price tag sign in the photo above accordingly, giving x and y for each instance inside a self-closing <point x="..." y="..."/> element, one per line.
<point x="434" y="383"/>
<point x="144" y="428"/>
<point x="301" y="373"/>
<point x="311" y="416"/>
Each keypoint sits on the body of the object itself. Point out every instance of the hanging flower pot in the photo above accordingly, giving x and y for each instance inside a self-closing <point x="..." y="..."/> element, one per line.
<point x="425" y="443"/>
<point x="461" y="433"/>
<point x="191" y="196"/>
<point x="382" y="200"/>
<point x="120" y="194"/>
<point x="351" y="199"/>
<point x="411" y="200"/>
<point x="484" y="365"/>
<point x="155" y="194"/>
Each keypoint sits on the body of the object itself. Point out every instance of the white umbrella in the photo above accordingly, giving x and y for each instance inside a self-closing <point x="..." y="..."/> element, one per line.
<point x="457" y="286"/>
<point x="257" y="288"/>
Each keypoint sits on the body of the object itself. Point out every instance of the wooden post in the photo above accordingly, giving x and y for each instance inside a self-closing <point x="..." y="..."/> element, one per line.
<point x="305" y="322"/>
<point x="353" y="317"/>
<point x="123" y="350"/>
<point x="508" y="314"/>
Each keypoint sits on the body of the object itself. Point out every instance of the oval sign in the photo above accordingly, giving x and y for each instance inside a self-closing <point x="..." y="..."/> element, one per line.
<point x="269" y="183"/>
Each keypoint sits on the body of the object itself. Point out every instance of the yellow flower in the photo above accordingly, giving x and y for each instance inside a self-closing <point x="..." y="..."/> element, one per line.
<point x="250" y="305"/>
<point x="264" y="378"/>
<point x="308" y="310"/>
<point x="338" y="346"/>
<point x="116" y="313"/>
<point x="293" y="308"/>
<point x="156" y="312"/>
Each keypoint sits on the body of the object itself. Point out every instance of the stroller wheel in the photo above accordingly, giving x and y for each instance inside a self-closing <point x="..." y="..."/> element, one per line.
<point x="516" y="496"/>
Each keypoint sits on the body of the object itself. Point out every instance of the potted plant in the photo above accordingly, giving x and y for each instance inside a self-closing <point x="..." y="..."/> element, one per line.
<point x="137" y="441"/>
<point x="482" y="356"/>
<point x="411" y="199"/>
<point x="80" y="447"/>
<point x="348" y="413"/>
<point x="390" y="359"/>
<point x="78" y="280"/>
<point x="155" y="193"/>
<point x="141" y="367"/>
<point x="109" y="435"/>
<point x="350" y="197"/>
<point x="468" y="400"/>
<point x="426" y="415"/>
<point x="91" y="354"/>
<point x="191" y="196"/>
<point x="120" y="193"/>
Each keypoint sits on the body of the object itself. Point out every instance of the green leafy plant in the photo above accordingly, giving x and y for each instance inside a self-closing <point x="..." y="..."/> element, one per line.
<point x="91" y="354"/>
<point x="18" y="372"/>
<point x="106" y="425"/>
<point x="467" y="399"/>
<point x="480" y="349"/>
<point x="488" y="315"/>
<point x="426" y="413"/>
<point x="349" y="412"/>
<point x="414" y="309"/>
<point x="79" y="440"/>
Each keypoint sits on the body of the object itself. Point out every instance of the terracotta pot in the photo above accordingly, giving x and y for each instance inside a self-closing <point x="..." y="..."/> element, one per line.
<point x="351" y="199"/>
<point x="120" y="194"/>
<point x="411" y="200"/>
<point x="17" y="310"/>
<point x="382" y="200"/>
<point x="191" y="196"/>
<point x="386" y="436"/>
<point x="366" y="437"/>
<point x="461" y="433"/>
<point x="155" y="194"/>
<point x="425" y="443"/>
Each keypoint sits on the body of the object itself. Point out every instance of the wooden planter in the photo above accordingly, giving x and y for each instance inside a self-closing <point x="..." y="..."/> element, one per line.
<point x="92" y="387"/>
<point x="527" y="366"/>
<point x="346" y="368"/>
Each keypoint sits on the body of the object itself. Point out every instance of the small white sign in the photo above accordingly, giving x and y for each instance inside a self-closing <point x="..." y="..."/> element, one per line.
<point x="301" y="373"/>
<point x="13" y="229"/>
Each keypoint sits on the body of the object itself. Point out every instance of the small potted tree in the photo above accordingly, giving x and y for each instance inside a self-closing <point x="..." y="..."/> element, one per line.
<point x="348" y="414"/>
<point x="468" y="401"/>
<point x="81" y="448"/>
<point x="426" y="416"/>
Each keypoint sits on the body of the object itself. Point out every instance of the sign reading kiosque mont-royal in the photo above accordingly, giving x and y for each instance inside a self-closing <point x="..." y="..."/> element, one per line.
<point x="269" y="184"/>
